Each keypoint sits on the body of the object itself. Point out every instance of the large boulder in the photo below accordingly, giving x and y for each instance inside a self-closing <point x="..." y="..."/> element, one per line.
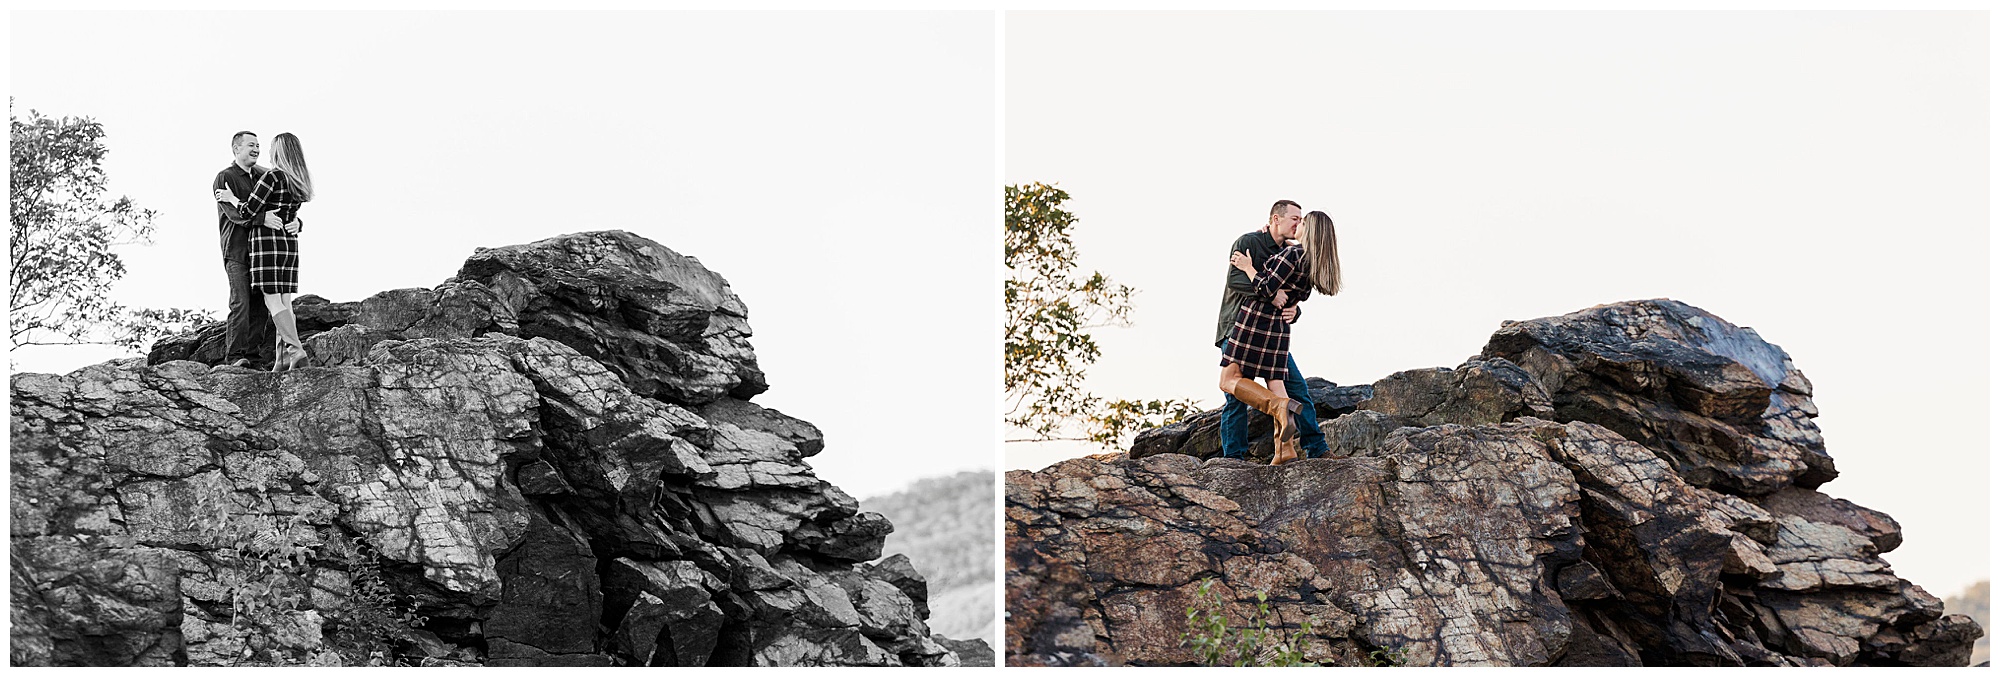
<point x="1728" y="409"/>
<point x="548" y="460"/>
<point x="1632" y="484"/>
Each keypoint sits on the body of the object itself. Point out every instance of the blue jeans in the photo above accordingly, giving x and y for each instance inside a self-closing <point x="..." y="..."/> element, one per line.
<point x="1236" y="418"/>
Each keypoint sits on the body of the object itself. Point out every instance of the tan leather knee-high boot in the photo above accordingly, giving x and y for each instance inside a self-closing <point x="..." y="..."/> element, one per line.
<point x="1284" y="434"/>
<point x="1285" y="439"/>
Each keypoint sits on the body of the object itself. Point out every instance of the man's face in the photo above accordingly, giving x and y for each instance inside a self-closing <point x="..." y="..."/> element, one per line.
<point x="1285" y="224"/>
<point x="247" y="150"/>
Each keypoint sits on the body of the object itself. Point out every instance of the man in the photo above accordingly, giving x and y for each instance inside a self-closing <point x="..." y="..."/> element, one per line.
<point x="1282" y="225"/>
<point x="247" y="337"/>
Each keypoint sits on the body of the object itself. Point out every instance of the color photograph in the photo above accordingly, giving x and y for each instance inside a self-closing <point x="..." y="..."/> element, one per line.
<point x="1497" y="338"/>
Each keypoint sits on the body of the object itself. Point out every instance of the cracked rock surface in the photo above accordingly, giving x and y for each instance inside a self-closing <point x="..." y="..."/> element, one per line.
<point x="550" y="458"/>
<point x="1631" y="484"/>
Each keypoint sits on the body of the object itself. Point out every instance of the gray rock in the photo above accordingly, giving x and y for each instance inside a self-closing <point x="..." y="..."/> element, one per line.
<point x="667" y="326"/>
<point x="549" y="457"/>
<point x="897" y="571"/>
<point x="972" y="653"/>
<point x="1334" y="400"/>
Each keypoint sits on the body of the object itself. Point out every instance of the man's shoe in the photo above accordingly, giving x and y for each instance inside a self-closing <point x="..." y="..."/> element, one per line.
<point x="243" y="362"/>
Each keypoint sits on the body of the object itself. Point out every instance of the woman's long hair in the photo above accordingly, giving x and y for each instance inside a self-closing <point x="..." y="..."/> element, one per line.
<point x="288" y="156"/>
<point x="1322" y="252"/>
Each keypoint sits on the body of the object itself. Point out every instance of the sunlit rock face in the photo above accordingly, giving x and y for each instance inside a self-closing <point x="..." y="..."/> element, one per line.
<point x="1726" y="408"/>
<point x="1631" y="484"/>
<point x="551" y="458"/>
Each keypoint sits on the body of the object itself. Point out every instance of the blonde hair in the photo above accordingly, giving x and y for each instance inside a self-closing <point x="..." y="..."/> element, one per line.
<point x="288" y="156"/>
<point x="1322" y="247"/>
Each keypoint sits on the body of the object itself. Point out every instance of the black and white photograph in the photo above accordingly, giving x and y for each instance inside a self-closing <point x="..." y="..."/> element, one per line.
<point x="507" y="339"/>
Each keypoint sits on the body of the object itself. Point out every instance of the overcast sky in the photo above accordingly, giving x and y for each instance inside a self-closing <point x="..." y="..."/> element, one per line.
<point x="837" y="169"/>
<point x="1820" y="177"/>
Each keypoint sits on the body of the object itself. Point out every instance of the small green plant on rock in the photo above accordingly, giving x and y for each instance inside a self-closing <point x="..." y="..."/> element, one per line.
<point x="1256" y="645"/>
<point x="1388" y="657"/>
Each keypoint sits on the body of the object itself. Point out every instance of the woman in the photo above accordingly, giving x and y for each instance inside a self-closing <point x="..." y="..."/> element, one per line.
<point x="274" y="251"/>
<point x="1261" y="341"/>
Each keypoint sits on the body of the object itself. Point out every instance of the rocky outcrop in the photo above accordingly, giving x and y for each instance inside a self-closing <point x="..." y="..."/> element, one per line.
<point x="1200" y="435"/>
<point x="1632" y="484"/>
<point x="1726" y="408"/>
<point x="549" y="459"/>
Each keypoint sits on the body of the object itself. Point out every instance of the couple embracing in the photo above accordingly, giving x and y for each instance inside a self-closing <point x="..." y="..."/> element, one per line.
<point x="1271" y="271"/>
<point x="258" y="215"/>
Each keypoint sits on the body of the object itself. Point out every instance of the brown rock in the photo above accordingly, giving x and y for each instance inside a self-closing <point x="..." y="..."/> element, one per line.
<point x="1727" y="408"/>
<point x="1477" y="392"/>
<point x="1878" y="527"/>
<point x="1945" y="642"/>
<point x="1582" y="581"/>
<point x="1148" y="541"/>
<point x="1637" y="491"/>
<point x="1361" y="432"/>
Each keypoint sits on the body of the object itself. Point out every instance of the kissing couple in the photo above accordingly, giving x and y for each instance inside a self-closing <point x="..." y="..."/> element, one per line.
<point x="1271" y="271"/>
<point x="258" y="216"/>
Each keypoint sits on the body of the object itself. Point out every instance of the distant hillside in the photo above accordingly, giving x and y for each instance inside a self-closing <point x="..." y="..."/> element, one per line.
<point x="945" y="526"/>
<point x="1973" y="603"/>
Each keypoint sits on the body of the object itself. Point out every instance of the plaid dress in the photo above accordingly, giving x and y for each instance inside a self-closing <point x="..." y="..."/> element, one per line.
<point x="274" y="253"/>
<point x="1261" y="340"/>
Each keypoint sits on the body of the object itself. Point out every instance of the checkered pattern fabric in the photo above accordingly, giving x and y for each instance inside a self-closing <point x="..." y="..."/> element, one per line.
<point x="1261" y="340"/>
<point x="274" y="253"/>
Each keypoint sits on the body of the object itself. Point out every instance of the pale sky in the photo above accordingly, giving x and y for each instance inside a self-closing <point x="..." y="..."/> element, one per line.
<point x="837" y="169"/>
<point x="1820" y="177"/>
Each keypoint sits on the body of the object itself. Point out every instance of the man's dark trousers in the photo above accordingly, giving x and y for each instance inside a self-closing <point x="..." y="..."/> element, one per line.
<point x="248" y="333"/>
<point x="1236" y="419"/>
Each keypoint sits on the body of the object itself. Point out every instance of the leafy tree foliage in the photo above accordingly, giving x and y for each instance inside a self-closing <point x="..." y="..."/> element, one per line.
<point x="1050" y="309"/>
<point x="64" y="228"/>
